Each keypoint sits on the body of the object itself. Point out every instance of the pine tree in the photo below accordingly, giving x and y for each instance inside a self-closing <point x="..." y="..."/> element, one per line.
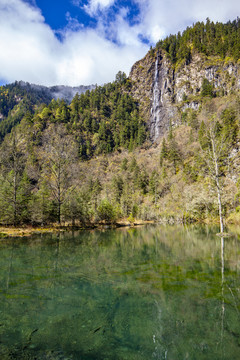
<point x="164" y="152"/>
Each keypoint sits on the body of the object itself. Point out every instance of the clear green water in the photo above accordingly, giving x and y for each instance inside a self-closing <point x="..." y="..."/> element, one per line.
<point x="145" y="293"/>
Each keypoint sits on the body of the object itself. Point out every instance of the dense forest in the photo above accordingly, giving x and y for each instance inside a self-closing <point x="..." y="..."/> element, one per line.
<point x="15" y="101"/>
<point x="207" y="38"/>
<point x="92" y="160"/>
<point x="40" y="157"/>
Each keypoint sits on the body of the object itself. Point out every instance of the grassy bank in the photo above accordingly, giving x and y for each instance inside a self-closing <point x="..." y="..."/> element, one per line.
<point x="25" y="231"/>
<point x="10" y="231"/>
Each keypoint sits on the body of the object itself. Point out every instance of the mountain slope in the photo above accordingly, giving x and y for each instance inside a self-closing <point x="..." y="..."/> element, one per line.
<point x="166" y="92"/>
<point x="146" y="146"/>
<point x="19" y="98"/>
<point x="170" y="78"/>
<point x="61" y="92"/>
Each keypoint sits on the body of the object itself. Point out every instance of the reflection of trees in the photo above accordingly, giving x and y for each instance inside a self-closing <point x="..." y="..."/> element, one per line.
<point x="9" y="267"/>
<point x="133" y="292"/>
<point x="204" y="324"/>
<point x="222" y="285"/>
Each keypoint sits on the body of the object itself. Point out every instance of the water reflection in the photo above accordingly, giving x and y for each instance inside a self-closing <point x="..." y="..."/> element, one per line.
<point x="147" y="293"/>
<point x="223" y="305"/>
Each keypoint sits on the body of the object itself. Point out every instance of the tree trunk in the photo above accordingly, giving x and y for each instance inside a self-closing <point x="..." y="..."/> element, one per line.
<point x="217" y="185"/>
<point x="59" y="194"/>
<point x="220" y="206"/>
<point x="14" y="200"/>
<point x="59" y="212"/>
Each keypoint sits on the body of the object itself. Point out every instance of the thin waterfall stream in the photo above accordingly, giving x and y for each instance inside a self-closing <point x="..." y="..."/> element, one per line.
<point x="155" y="111"/>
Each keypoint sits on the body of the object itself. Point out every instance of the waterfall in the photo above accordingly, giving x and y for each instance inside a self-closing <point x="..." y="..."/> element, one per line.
<point x="155" y="110"/>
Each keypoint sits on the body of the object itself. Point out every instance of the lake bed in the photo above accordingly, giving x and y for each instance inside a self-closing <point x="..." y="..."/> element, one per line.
<point x="154" y="292"/>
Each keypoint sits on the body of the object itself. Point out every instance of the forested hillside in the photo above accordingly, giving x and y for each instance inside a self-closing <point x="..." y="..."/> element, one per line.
<point x="15" y="102"/>
<point x="41" y="158"/>
<point x="20" y="97"/>
<point x="95" y="159"/>
<point x="206" y="38"/>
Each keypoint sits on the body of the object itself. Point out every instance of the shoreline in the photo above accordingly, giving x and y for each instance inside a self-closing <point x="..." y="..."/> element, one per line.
<point x="29" y="230"/>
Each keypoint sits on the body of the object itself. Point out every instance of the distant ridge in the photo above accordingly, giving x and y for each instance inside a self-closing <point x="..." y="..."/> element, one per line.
<point x="66" y="93"/>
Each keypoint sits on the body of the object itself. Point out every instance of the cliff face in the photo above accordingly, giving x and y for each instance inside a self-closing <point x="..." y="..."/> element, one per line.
<point x="165" y="91"/>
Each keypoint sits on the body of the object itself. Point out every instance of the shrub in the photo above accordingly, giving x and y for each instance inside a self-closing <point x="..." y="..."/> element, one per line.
<point x="106" y="211"/>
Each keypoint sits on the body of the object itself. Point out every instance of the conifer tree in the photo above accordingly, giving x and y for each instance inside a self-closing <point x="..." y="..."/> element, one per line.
<point x="12" y="187"/>
<point x="58" y="165"/>
<point x="164" y="152"/>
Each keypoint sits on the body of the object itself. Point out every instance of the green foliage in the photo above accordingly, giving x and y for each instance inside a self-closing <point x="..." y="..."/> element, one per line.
<point x="131" y="219"/>
<point x="208" y="38"/>
<point x="170" y="151"/>
<point x="133" y="164"/>
<point x="164" y="152"/>
<point x="202" y="135"/>
<point x="103" y="120"/>
<point x="217" y="138"/>
<point x="43" y="209"/>
<point x="43" y="178"/>
<point x="174" y="155"/>
<point x="121" y="77"/>
<point x="229" y="124"/>
<point x="106" y="211"/>
<point x="76" y="208"/>
<point x="207" y="88"/>
<point x="15" y="196"/>
<point x="94" y="189"/>
<point x="124" y="164"/>
<point x="15" y="101"/>
<point x="117" y="187"/>
<point x="193" y="120"/>
<point x="140" y="179"/>
<point x="53" y="185"/>
<point x="153" y="184"/>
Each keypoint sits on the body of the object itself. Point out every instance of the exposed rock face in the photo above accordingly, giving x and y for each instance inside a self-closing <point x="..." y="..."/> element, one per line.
<point x="164" y="90"/>
<point x="162" y="110"/>
<point x="142" y="76"/>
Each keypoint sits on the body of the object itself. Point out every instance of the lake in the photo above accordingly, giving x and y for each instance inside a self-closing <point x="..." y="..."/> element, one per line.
<point x="152" y="292"/>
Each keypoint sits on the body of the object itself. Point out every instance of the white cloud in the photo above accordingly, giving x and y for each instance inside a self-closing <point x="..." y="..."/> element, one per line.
<point x="30" y="50"/>
<point x="162" y="17"/>
<point x="92" y="58"/>
<point x="26" y="43"/>
<point x="94" y="6"/>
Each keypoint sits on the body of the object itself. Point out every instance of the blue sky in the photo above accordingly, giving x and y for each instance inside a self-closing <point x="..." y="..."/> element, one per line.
<point x="56" y="13"/>
<point x="74" y="42"/>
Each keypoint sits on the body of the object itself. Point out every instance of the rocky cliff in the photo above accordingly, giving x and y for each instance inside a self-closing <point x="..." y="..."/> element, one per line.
<point x="165" y="90"/>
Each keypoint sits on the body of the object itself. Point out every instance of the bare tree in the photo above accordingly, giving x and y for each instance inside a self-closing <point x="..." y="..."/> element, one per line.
<point x="216" y="146"/>
<point x="216" y="151"/>
<point x="58" y="157"/>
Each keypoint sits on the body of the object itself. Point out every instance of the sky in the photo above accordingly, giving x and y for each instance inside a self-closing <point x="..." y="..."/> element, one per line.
<point x="83" y="42"/>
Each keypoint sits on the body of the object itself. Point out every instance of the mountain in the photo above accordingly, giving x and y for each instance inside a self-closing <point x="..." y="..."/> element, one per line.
<point x="61" y="92"/>
<point x="161" y="144"/>
<point x="166" y="92"/>
<point x="169" y="79"/>
<point x="20" y="97"/>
